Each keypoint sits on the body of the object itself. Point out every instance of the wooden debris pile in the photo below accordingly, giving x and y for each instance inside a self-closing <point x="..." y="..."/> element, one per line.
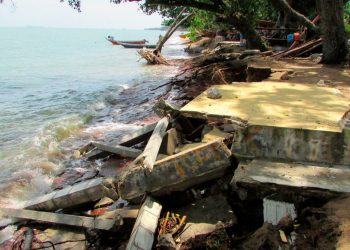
<point x="300" y="50"/>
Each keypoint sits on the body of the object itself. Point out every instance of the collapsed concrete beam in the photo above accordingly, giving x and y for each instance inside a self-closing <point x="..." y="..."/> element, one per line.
<point x="142" y="235"/>
<point x="70" y="196"/>
<point x="177" y="172"/>
<point x="305" y="179"/>
<point x="127" y="140"/>
<point x="65" y="219"/>
<point x="150" y="153"/>
<point x="118" y="150"/>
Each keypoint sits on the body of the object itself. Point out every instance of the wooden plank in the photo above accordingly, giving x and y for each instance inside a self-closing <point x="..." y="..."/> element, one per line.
<point x="63" y="219"/>
<point x="149" y="155"/>
<point x="118" y="150"/>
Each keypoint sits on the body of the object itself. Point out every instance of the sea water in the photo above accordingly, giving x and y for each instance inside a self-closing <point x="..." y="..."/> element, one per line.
<point x="61" y="88"/>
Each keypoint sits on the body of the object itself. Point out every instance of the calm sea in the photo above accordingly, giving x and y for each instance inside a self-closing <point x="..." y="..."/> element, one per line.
<point x="60" y="88"/>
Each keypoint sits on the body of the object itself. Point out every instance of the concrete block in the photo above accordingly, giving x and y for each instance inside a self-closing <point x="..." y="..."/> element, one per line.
<point x="177" y="172"/>
<point x="87" y="191"/>
<point x="142" y="235"/>
<point x="304" y="179"/>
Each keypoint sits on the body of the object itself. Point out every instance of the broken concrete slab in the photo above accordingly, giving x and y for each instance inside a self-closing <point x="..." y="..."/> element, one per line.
<point x="177" y="172"/>
<point x="275" y="104"/>
<point x="118" y="150"/>
<point x="127" y="140"/>
<point x="283" y="121"/>
<point x="144" y="230"/>
<point x="112" y="223"/>
<point x="206" y="216"/>
<point x="80" y="193"/>
<point x="302" y="178"/>
<point x="150" y="153"/>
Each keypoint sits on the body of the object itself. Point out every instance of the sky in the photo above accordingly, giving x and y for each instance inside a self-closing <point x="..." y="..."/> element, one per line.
<point x="95" y="14"/>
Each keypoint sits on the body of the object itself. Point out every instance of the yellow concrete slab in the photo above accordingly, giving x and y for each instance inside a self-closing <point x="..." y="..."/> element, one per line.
<point x="275" y="104"/>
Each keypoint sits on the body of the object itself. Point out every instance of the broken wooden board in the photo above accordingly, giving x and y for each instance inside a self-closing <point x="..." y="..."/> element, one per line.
<point x="301" y="178"/>
<point x="149" y="155"/>
<point x="177" y="172"/>
<point x="127" y="140"/>
<point x="142" y="235"/>
<point x="87" y="191"/>
<point x="65" y="219"/>
<point x="277" y="104"/>
<point x="118" y="150"/>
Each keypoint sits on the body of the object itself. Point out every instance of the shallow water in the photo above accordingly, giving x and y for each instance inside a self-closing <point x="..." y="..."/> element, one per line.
<point x="60" y="88"/>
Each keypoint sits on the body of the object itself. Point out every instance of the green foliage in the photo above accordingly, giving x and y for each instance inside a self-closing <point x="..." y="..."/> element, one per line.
<point x="347" y="12"/>
<point x="347" y="30"/>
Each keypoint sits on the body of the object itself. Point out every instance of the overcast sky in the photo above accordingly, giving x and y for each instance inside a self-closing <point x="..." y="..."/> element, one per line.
<point x="95" y="14"/>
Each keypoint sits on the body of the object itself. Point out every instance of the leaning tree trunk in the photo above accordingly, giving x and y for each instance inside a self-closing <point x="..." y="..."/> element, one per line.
<point x="244" y="26"/>
<point x="333" y="31"/>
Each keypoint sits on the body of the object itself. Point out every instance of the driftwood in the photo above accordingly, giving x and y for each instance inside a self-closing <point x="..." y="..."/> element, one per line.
<point x="151" y="57"/>
<point x="154" y="56"/>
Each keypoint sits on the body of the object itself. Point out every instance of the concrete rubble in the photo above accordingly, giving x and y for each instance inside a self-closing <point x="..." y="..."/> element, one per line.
<point x="213" y="165"/>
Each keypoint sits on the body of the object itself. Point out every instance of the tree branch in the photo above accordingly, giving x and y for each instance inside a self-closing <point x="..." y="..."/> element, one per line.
<point x="284" y="5"/>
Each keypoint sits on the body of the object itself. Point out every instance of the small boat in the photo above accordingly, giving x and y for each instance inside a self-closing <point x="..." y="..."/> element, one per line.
<point x="138" y="46"/>
<point x="115" y="42"/>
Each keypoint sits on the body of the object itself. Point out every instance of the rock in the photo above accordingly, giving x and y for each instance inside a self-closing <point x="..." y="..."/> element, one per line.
<point x="213" y="93"/>
<point x="166" y="242"/>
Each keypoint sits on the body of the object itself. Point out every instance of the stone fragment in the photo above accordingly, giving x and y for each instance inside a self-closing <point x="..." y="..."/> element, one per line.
<point x="213" y="93"/>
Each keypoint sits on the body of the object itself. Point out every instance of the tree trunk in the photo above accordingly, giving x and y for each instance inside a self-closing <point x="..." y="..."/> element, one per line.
<point x="333" y="31"/>
<point x="170" y="32"/>
<point x="243" y="25"/>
